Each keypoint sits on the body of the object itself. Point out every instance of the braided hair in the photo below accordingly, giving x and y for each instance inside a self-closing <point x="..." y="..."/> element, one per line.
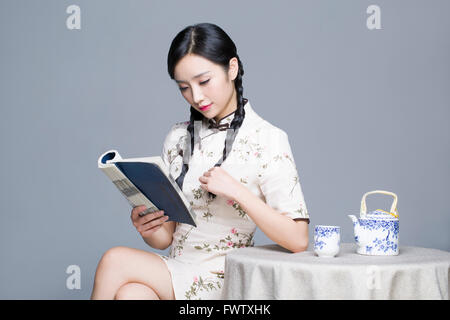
<point x="211" y="42"/>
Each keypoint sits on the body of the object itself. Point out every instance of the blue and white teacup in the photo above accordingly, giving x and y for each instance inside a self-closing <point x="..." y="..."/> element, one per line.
<point x="327" y="240"/>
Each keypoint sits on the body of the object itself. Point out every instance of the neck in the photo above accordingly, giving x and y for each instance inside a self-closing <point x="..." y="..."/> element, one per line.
<point x="232" y="106"/>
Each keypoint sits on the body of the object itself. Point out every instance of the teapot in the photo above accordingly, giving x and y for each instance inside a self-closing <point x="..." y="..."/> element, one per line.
<point x="376" y="232"/>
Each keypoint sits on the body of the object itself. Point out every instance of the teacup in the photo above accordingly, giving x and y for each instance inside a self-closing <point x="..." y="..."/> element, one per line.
<point x="327" y="240"/>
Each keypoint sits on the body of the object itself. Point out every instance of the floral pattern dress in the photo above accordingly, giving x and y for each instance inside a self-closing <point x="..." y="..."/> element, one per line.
<point x="262" y="160"/>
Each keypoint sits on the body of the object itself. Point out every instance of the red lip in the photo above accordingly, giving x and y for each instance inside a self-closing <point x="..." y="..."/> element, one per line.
<point x="205" y="107"/>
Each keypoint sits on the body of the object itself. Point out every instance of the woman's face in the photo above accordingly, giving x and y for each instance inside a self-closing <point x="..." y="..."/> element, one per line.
<point x="204" y="83"/>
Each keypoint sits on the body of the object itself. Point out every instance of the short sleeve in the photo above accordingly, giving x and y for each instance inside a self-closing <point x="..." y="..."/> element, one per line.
<point x="278" y="177"/>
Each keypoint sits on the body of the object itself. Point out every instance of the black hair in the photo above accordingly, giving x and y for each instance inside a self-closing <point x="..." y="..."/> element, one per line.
<point x="211" y="42"/>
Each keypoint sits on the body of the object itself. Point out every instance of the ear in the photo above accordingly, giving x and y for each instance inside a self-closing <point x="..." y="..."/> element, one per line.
<point x="233" y="68"/>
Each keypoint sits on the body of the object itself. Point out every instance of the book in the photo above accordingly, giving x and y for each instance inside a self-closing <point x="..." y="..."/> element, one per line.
<point x="147" y="181"/>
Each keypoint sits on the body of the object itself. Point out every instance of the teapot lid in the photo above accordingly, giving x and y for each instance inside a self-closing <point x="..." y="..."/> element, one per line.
<point x="381" y="214"/>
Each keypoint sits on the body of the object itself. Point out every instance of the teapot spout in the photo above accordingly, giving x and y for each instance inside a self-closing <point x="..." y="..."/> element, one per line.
<point x="354" y="219"/>
<point x="356" y="228"/>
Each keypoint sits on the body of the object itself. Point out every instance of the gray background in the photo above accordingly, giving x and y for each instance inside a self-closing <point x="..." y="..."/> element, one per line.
<point x="364" y="110"/>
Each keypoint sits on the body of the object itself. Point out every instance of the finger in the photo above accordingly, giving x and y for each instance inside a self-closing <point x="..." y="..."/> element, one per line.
<point x="135" y="212"/>
<point x="138" y="209"/>
<point x="204" y="186"/>
<point x="151" y="216"/>
<point x="153" y="223"/>
<point x="146" y="212"/>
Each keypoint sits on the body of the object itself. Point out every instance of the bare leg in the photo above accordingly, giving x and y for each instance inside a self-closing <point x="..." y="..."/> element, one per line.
<point x="122" y="265"/>
<point x="135" y="291"/>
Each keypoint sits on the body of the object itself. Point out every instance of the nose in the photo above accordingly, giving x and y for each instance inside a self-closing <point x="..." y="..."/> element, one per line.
<point x="197" y="95"/>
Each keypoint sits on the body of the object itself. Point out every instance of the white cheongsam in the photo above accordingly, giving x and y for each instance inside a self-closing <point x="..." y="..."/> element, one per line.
<point x="261" y="159"/>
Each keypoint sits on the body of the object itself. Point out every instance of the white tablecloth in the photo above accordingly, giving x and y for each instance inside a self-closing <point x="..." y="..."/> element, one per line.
<point x="271" y="272"/>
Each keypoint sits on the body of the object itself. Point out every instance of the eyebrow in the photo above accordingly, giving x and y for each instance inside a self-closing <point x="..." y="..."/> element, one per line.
<point x="199" y="75"/>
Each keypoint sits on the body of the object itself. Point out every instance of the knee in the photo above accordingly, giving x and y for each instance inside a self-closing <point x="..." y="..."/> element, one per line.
<point x="114" y="255"/>
<point x="135" y="291"/>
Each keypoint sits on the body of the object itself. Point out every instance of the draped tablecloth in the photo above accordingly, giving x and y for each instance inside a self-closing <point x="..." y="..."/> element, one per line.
<point x="271" y="272"/>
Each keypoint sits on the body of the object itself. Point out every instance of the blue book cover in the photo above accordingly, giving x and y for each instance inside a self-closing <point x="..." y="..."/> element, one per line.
<point x="147" y="181"/>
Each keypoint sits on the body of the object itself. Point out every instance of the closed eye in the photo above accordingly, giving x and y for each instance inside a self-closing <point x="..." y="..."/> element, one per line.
<point x="203" y="83"/>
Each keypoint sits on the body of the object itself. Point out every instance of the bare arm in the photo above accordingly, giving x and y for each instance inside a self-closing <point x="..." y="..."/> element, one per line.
<point x="290" y="234"/>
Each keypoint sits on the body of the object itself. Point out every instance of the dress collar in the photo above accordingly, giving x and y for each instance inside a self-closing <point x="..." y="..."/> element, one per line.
<point x="224" y="123"/>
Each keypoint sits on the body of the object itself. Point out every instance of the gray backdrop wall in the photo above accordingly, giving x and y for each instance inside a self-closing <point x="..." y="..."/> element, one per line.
<point x="364" y="109"/>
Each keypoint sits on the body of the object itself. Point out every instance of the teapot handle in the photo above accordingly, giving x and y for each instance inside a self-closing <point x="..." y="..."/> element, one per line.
<point x="393" y="210"/>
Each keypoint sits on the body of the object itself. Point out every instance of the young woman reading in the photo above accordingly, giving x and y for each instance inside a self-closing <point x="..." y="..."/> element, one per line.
<point x="236" y="170"/>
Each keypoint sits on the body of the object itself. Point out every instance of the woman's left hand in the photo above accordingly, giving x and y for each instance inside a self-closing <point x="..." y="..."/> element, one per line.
<point x="216" y="180"/>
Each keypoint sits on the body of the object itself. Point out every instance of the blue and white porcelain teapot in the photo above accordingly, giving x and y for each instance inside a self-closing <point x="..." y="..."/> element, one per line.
<point x="376" y="232"/>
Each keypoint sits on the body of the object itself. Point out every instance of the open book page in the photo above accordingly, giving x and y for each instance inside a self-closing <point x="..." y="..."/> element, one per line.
<point x="134" y="197"/>
<point x="142" y="179"/>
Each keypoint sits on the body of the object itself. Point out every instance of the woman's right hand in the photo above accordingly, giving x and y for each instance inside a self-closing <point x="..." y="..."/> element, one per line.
<point x="148" y="224"/>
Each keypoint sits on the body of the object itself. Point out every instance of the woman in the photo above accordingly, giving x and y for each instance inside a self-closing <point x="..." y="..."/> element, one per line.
<point x="236" y="170"/>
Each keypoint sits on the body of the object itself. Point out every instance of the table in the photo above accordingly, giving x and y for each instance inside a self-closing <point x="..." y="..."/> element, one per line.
<point x="271" y="272"/>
